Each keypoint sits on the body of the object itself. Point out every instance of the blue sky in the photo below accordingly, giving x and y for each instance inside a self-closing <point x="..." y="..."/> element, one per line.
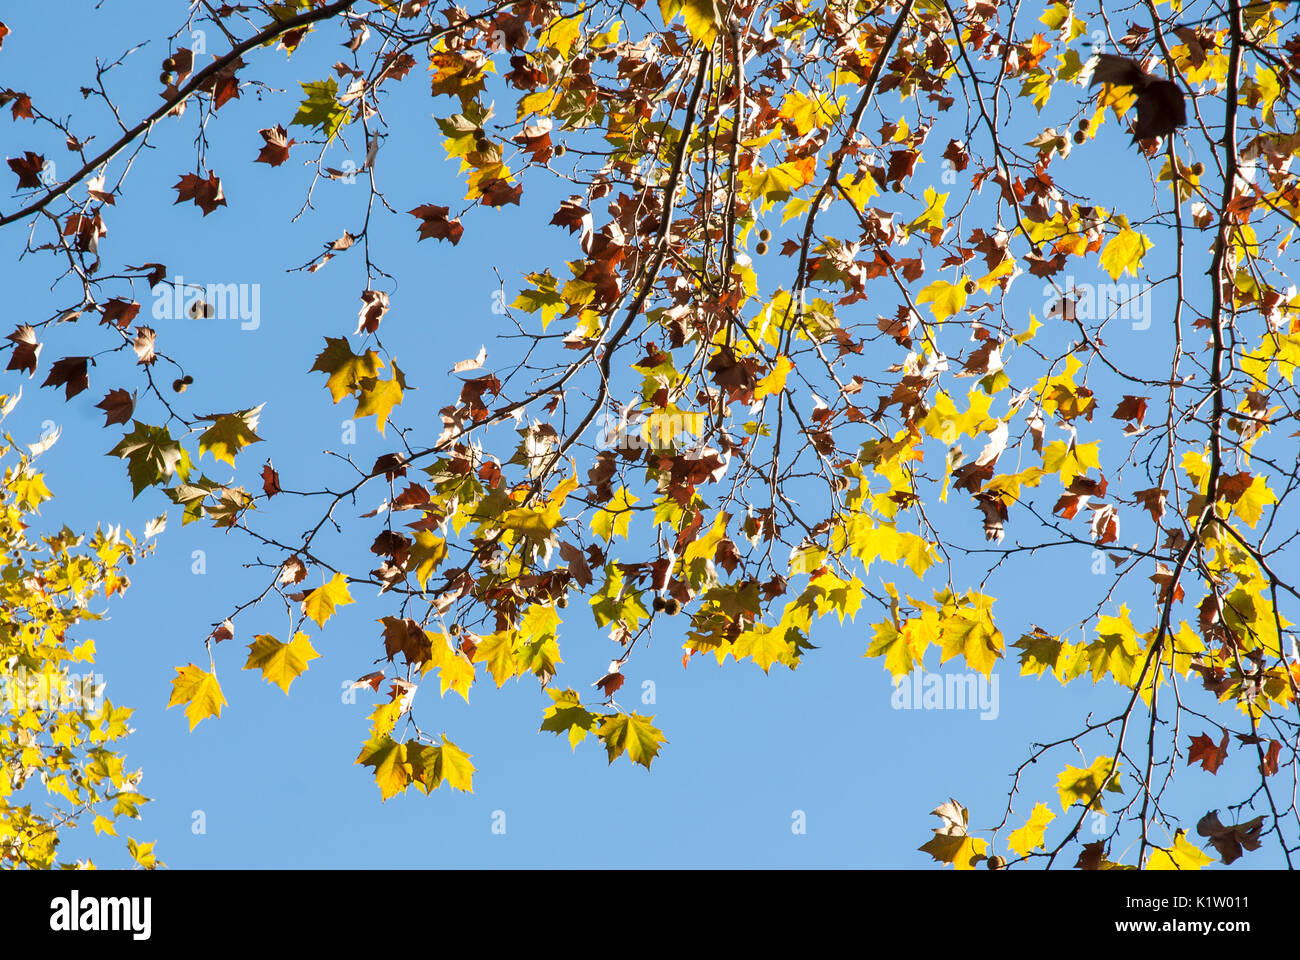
<point x="274" y="778"/>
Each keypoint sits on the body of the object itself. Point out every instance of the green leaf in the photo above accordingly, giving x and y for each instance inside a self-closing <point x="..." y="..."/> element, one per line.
<point x="152" y="456"/>
<point x="321" y="109"/>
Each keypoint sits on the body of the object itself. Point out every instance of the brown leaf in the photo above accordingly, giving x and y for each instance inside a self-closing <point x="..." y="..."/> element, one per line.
<point x="434" y="223"/>
<point x="206" y="194"/>
<point x="276" y="146"/>
<point x="956" y="155"/>
<point x="182" y="62"/>
<point x="70" y="373"/>
<point x="1209" y="755"/>
<point x="403" y="635"/>
<point x="22" y="104"/>
<point x="1153" y="500"/>
<point x="536" y="139"/>
<point x="610" y="683"/>
<point x="1091" y="856"/>
<point x="410" y="498"/>
<point x="157" y="273"/>
<point x="28" y="167"/>
<point x="26" y="349"/>
<point x="119" y="313"/>
<point x="87" y="230"/>
<point x="577" y="218"/>
<point x="371" y="680"/>
<point x="1230" y="841"/>
<point x="270" y="480"/>
<point x="292" y="570"/>
<point x="118" y="405"/>
<point x="578" y="568"/>
<point x="374" y="305"/>
<point x="223" y="85"/>
<point x="1268" y="766"/>
<point x="497" y="193"/>
<point x="1131" y="408"/>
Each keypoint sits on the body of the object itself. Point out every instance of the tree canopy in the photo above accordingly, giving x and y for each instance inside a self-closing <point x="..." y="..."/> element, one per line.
<point x="856" y="310"/>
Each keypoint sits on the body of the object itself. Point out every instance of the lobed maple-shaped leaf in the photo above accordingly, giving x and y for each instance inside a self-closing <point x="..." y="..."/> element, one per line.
<point x="1207" y="753"/>
<point x="434" y="223"/>
<point x="27" y="349"/>
<point x="1182" y="855"/>
<point x="270" y="480"/>
<point x="432" y="766"/>
<point x="426" y="552"/>
<point x="1025" y="839"/>
<point x="1083" y="784"/>
<point x="951" y="842"/>
<point x="566" y="714"/>
<point x="71" y="373"/>
<point x="1231" y="841"/>
<point x="200" y="693"/>
<point x="276" y="144"/>
<point x="374" y="306"/>
<point x="346" y="369"/>
<point x="206" y="194"/>
<point x="229" y="433"/>
<point x="632" y="734"/>
<point x="377" y="397"/>
<point x="455" y="669"/>
<point x="28" y="167"/>
<point x="319" y="605"/>
<point x="143" y="345"/>
<point x="152" y="456"/>
<point x="393" y="771"/>
<point x="320" y="108"/>
<point x="280" y="663"/>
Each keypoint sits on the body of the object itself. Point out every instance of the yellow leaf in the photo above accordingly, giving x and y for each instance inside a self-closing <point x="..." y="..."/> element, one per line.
<point x="378" y="397"/>
<point x="1124" y="252"/>
<point x="497" y="650"/>
<point x="454" y="766"/>
<point x="426" y="553"/>
<point x="321" y="603"/>
<point x="1031" y="834"/>
<point x="774" y="382"/>
<point x="1181" y="856"/>
<point x="392" y="768"/>
<point x="615" y="519"/>
<point x="944" y="298"/>
<point x="963" y="852"/>
<point x="230" y="433"/>
<point x="456" y="673"/>
<point x="280" y="663"/>
<point x="633" y="734"/>
<point x="345" y="368"/>
<point x="1083" y="784"/>
<point x="702" y="17"/>
<point x="200" y="691"/>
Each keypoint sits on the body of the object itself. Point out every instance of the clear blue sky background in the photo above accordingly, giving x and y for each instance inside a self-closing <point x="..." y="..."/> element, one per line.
<point x="274" y="776"/>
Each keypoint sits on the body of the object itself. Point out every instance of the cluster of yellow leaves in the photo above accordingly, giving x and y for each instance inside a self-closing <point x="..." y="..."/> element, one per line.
<point x="621" y="733"/>
<point x="58" y="765"/>
<point x="956" y="624"/>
